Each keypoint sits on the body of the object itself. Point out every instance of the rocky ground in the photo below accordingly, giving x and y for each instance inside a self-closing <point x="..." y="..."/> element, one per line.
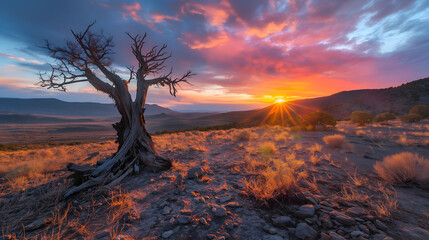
<point x="206" y="194"/>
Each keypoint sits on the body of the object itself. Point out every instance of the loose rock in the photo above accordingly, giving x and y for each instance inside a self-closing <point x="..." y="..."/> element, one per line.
<point x="167" y="234"/>
<point x="183" y="219"/>
<point x="343" y="219"/>
<point x="335" y="236"/>
<point x="282" y="221"/>
<point x="380" y="225"/>
<point x="356" y="212"/>
<point x="269" y="229"/>
<point x="272" y="237"/>
<point x="305" y="232"/>
<point x="166" y="210"/>
<point x="196" y="172"/>
<point x="305" y="211"/>
<point x="219" y="211"/>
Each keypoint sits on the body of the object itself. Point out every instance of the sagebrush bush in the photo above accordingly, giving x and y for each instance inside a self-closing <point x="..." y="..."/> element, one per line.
<point x="361" y="117"/>
<point x="268" y="148"/>
<point x="243" y="135"/>
<point x="283" y="137"/>
<point x="277" y="182"/>
<point x="386" y="116"/>
<point x="404" y="167"/>
<point x="320" y="118"/>
<point x="411" y="117"/>
<point x="422" y="110"/>
<point x="335" y="141"/>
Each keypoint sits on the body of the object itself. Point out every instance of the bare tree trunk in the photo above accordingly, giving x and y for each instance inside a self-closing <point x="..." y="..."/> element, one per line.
<point x="88" y="56"/>
<point x="135" y="150"/>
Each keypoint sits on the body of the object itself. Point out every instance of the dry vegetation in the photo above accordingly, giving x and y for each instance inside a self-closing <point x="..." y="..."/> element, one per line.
<point x="404" y="168"/>
<point x="335" y="141"/>
<point x="275" y="166"/>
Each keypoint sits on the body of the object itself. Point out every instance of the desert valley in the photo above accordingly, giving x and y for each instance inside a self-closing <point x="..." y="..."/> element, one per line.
<point x="269" y="181"/>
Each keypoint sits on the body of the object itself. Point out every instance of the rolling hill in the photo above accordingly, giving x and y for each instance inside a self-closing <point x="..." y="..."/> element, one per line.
<point x="340" y="105"/>
<point x="55" y="107"/>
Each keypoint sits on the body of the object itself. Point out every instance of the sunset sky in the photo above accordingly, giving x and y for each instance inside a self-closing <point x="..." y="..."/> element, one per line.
<point x="246" y="53"/>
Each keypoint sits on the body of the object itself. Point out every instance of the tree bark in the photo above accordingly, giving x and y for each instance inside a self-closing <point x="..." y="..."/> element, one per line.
<point x="135" y="150"/>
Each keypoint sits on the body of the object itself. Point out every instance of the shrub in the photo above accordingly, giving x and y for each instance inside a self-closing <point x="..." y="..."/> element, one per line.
<point x="422" y="110"/>
<point x="411" y="117"/>
<point x="361" y="117"/>
<point x="386" y="116"/>
<point x="243" y="135"/>
<point x="360" y="132"/>
<point x="335" y="141"/>
<point x="277" y="182"/>
<point x="320" y="118"/>
<point x="268" y="148"/>
<point x="404" y="167"/>
<point x="283" y="137"/>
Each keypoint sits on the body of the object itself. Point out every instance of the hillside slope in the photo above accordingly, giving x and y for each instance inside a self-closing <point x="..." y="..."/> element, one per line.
<point x="52" y="106"/>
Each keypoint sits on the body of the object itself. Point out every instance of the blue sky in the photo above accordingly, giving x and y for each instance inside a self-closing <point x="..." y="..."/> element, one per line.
<point x="246" y="53"/>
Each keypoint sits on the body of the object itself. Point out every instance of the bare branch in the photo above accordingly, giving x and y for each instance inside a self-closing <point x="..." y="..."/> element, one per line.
<point x="171" y="83"/>
<point x="60" y="77"/>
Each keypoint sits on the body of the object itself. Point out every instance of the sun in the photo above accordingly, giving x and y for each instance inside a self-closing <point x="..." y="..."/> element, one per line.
<point x="280" y="100"/>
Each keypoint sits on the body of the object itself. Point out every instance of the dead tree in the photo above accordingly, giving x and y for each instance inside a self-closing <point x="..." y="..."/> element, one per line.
<point x="87" y="58"/>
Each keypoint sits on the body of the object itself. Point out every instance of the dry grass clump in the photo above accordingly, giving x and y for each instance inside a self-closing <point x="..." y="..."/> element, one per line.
<point x="277" y="182"/>
<point x="282" y="137"/>
<point x="386" y="205"/>
<point x="315" y="160"/>
<point x="243" y="135"/>
<point x="360" y="132"/>
<point x="335" y="141"/>
<point x="403" y="168"/>
<point x="403" y="140"/>
<point x="355" y="179"/>
<point x="352" y="194"/>
<point x="267" y="148"/>
<point x="315" y="148"/>
<point x="120" y="204"/>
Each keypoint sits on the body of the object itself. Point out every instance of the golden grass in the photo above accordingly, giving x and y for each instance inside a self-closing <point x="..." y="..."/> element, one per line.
<point x="315" y="160"/>
<point x="403" y="168"/>
<point x="267" y="148"/>
<point x="351" y="194"/>
<point x="335" y="141"/>
<point x="387" y="205"/>
<point x="120" y="203"/>
<point x="315" y="148"/>
<point x="278" y="181"/>
<point x="360" y="132"/>
<point x="282" y="137"/>
<point x="243" y="135"/>
<point x="356" y="180"/>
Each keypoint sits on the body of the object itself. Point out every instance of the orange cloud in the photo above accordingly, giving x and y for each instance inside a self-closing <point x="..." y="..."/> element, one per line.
<point x="269" y="29"/>
<point x="216" y="14"/>
<point x="211" y="41"/>
<point x="132" y="12"/>
<point x="158" y="18"/>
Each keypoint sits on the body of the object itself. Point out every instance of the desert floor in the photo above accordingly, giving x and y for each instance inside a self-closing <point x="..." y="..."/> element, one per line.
<point x="225" y="185"/>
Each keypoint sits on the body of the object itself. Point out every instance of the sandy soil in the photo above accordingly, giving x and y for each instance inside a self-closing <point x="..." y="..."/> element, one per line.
<point x="341" y="196"/>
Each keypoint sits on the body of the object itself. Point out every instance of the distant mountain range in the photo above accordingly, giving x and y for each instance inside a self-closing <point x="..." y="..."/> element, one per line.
<point x="340" y="105"/>
<point x="55" y="107"/>
<point x="395" y="99"/>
